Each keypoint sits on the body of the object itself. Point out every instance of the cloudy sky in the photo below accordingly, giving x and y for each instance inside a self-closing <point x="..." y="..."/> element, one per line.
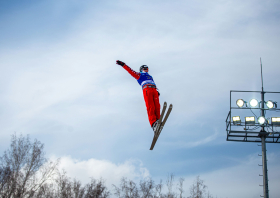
<point x="59" y="83"/>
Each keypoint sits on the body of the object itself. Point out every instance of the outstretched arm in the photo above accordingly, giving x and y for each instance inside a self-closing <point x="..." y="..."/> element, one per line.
<point x="133" y="73"/>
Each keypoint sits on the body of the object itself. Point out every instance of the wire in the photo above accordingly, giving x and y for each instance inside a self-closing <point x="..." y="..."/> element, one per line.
<point x="254" y="113"/>
<point x="277" y="110"/>
<point x="256" y="127"/>
<point x="272" y="129"/>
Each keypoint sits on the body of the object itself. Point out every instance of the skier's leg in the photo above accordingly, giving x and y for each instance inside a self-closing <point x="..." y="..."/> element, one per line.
<point x="149" y="100"/>
<point x="157" y="104"/>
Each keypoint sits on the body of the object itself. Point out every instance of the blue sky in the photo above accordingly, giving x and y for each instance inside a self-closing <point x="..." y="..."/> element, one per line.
<point x="60" y="84"/>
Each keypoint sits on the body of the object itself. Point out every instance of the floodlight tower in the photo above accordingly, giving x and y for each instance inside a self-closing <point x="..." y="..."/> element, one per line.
<point x="243" y="131"/>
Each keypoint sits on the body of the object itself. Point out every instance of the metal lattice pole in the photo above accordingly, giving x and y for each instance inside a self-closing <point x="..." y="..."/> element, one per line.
<point x="263" y="135"/>
<point x="264" y="163"/>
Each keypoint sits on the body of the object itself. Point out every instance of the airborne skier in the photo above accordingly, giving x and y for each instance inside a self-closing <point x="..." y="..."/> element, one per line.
<point x="150" y="92"/>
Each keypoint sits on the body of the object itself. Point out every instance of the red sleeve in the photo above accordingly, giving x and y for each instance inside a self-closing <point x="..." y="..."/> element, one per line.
<point x="133" y="73"/>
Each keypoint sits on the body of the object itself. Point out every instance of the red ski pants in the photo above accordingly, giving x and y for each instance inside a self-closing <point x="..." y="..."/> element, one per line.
<point x="151" y="98"/>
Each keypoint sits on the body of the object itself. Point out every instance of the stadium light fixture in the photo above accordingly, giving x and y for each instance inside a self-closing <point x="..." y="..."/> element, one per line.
<point x="236" y="120"/>
<point x="250" y="120"/>
<point x="269" y="104"/>
<point x="275" y="120"/>
<point x="261" y="120"/>
<point x="253" y="103"/>
<point x="240" y="103"/>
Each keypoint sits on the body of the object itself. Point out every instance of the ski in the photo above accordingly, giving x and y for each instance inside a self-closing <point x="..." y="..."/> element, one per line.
<point x="158" y="125"/>
<point x="161" y="123"/>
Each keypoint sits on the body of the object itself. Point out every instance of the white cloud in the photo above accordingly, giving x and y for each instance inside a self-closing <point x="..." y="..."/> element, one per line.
<point x="112" y="173"/>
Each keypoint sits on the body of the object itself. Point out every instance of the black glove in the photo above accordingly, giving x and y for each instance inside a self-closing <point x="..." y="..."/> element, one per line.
<point x="120" y="63"/>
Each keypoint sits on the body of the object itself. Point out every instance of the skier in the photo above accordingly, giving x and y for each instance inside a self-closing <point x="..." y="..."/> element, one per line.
<point x="150" y="92"/>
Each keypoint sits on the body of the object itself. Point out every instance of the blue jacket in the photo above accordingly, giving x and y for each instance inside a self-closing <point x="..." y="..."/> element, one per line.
<point x="145" y="78"/>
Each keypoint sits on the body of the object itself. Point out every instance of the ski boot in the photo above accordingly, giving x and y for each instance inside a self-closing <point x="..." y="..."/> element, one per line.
<point x="154" y="126"/>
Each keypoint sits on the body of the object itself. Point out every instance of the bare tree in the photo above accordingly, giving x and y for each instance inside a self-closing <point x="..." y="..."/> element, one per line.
<point x="158" y="193"/>
<point x="198" y="189"/>
<point x="96" y="189"/>
<point x="78" y="190"/>
<point x="209" y="195"/>
<point x="26" y="173"/>
<point x="128" y="189"/>
<point x="24" y="168"/>
<point x="117" y="191"/>
<point x="65" y="187"/>
<point x="170" y="183"/>
<point x="46" y="191"/>
<point x="5" y="179"/>
<point x="180" y="187"/>
<point x="146" y="188"/>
